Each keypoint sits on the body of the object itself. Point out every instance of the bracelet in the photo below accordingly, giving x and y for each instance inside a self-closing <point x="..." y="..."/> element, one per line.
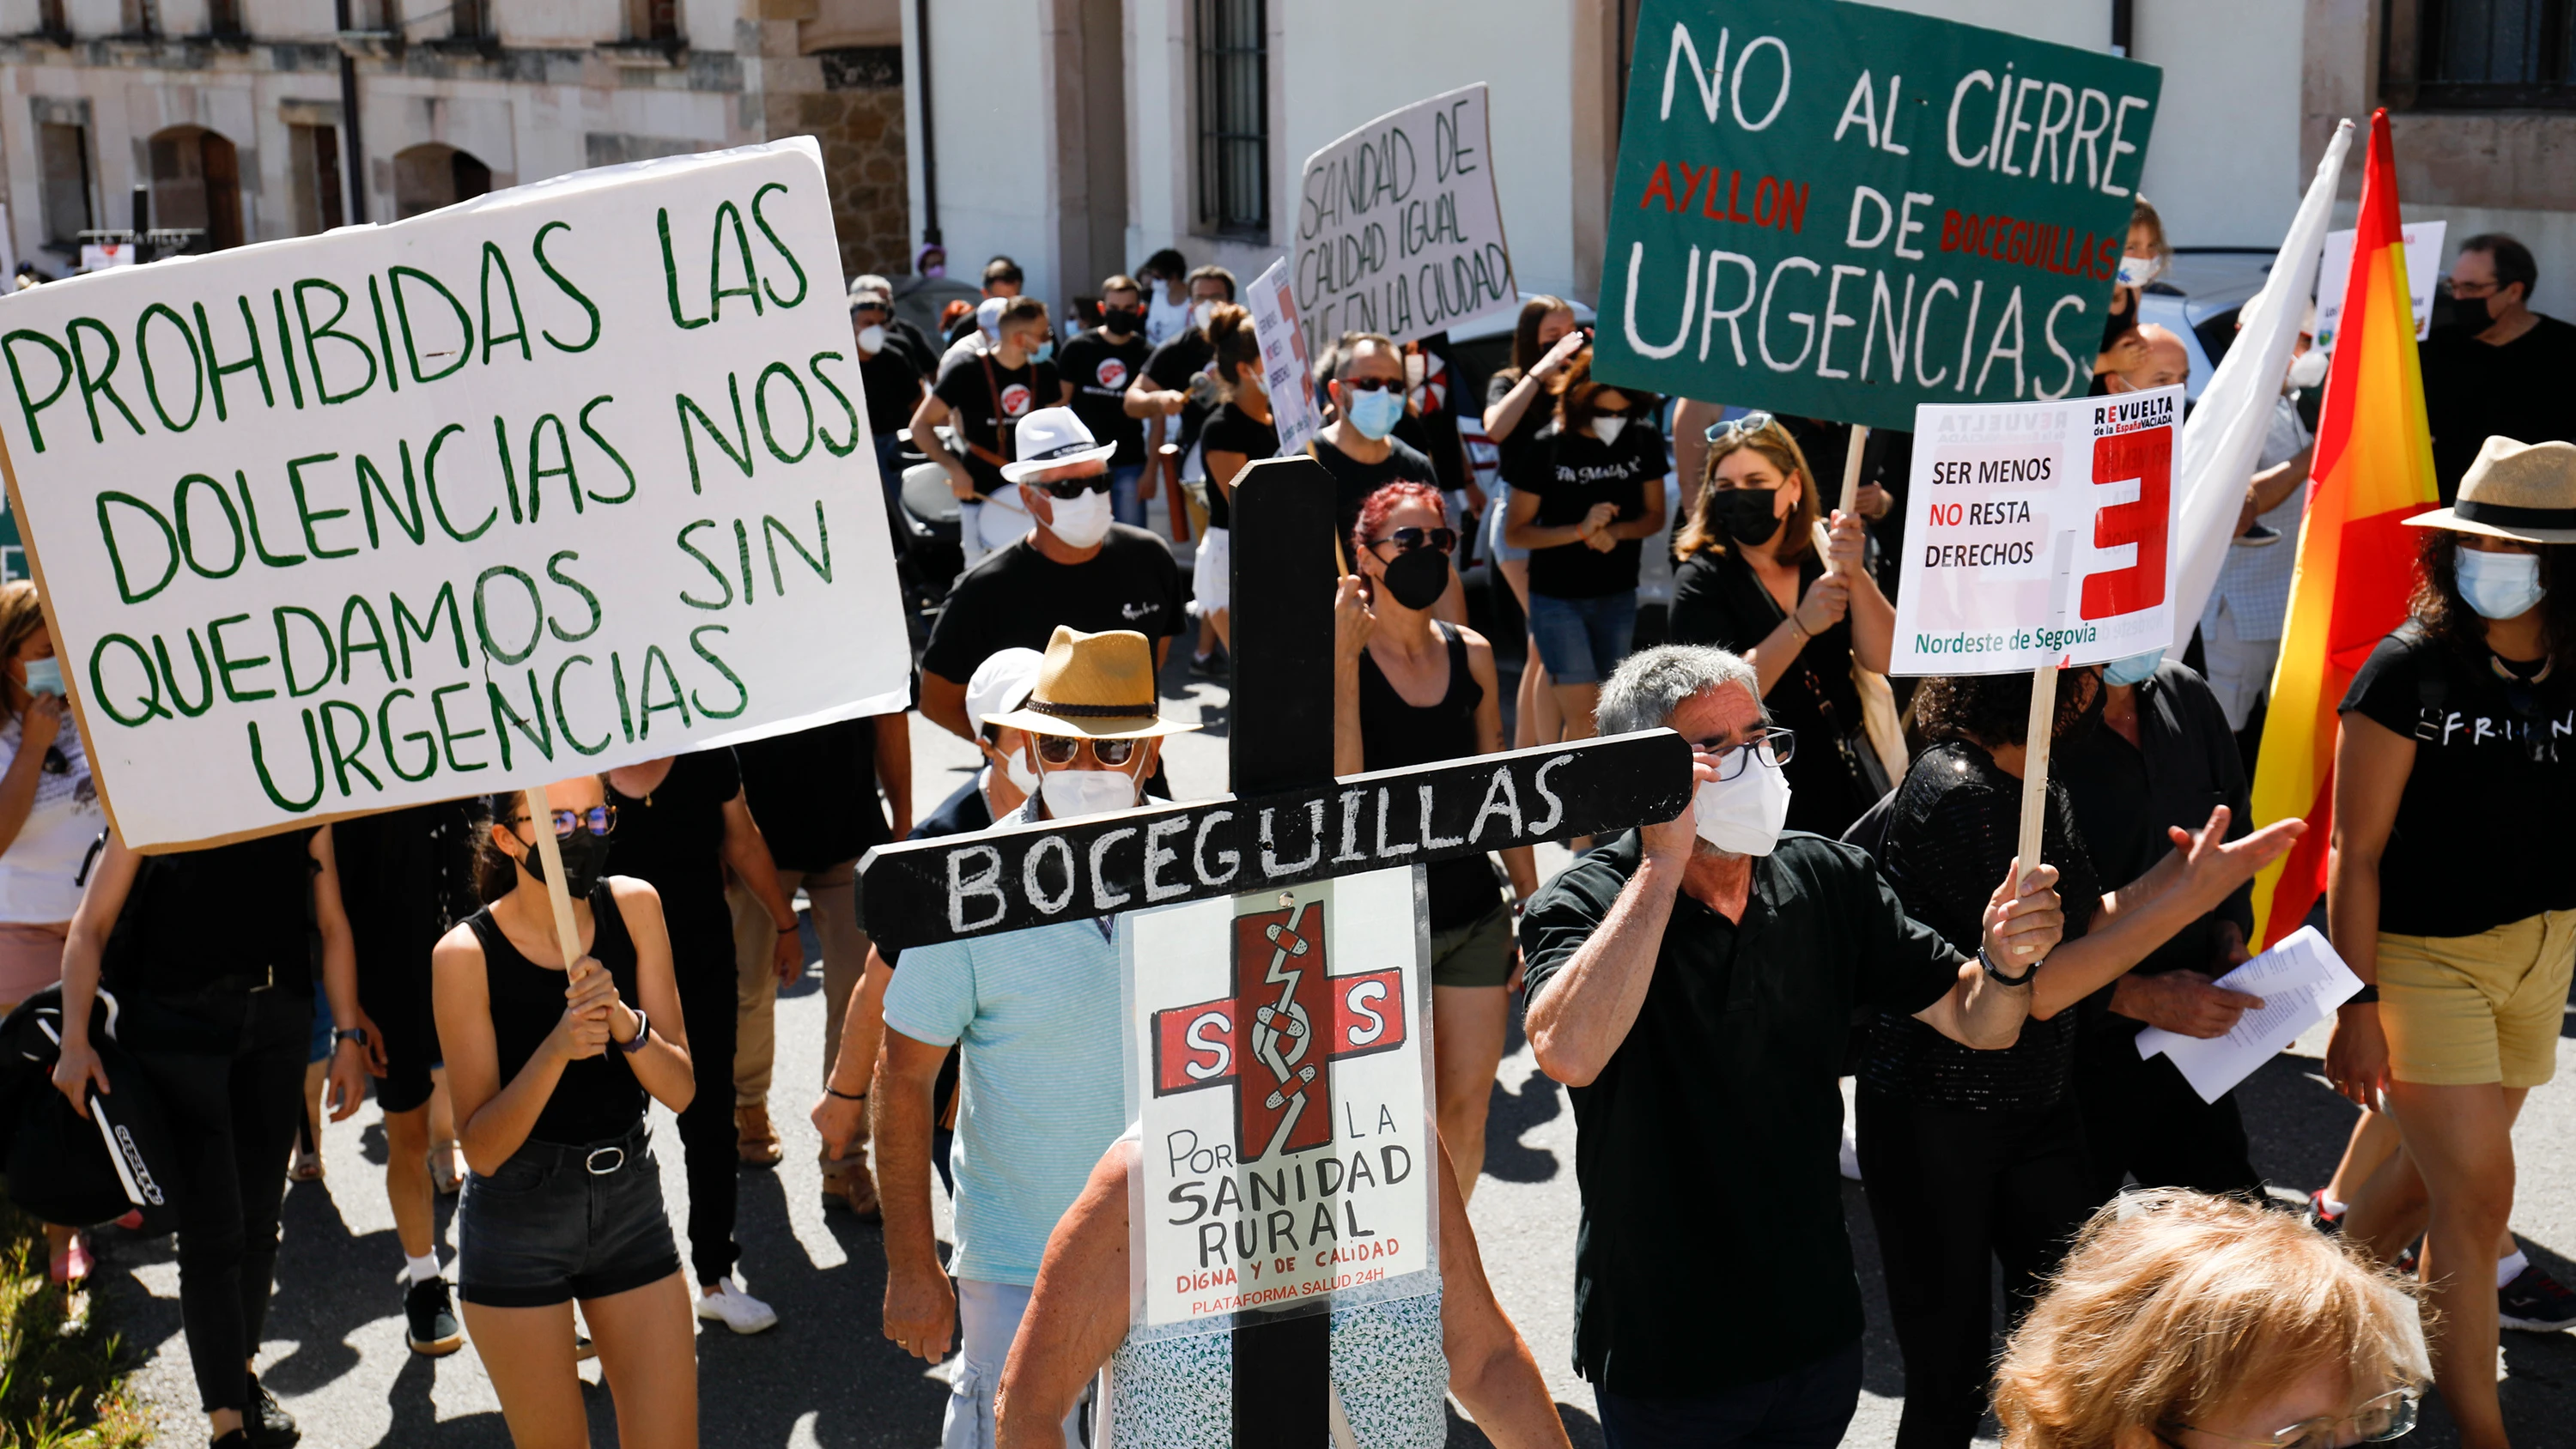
<point x="1996" y="974"/>
<point x="2366" y="996"/>
<point x="1801" y="629"/>
<point x="830" y="1091"/>
<point x="791" y="930"/>
<point x="643" y="1029"/>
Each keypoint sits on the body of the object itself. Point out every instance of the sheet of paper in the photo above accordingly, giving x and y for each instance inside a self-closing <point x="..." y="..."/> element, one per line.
<point x="2301" y="982"/>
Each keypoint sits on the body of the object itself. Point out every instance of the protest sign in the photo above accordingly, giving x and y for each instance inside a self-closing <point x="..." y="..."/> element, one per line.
<point x="564" y="478"/>
<point x="1276" y="1064"/>
<point x="1287" y="368"/>
<point x="2035" y="535"/>
<point x="1398" y="229"/>
<point x="2423" y="269"/>
<point x="1969" y="190"/>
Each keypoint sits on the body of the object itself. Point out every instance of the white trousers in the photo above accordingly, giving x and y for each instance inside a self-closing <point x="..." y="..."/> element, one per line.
<point x="2240" y="670"/>
<point x="988" y="1318"/>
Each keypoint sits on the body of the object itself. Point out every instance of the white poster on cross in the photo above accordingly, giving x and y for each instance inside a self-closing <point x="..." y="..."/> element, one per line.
<point x="1277" y="1069"/>
<point x="563" y="478"/>
<point x="2036" y="534"/>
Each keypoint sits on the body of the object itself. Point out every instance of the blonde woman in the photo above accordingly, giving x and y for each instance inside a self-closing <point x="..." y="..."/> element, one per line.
<point x="2188" y="1322"/>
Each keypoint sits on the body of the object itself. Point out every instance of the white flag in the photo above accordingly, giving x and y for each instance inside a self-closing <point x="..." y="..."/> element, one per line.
<point x="2223" y="437"/>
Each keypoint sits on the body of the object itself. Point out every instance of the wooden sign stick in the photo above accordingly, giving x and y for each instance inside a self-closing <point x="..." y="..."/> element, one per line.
<point x="1851" y="467"/>
<point x="2034" y="766"/>
<point x="567" y="934"/>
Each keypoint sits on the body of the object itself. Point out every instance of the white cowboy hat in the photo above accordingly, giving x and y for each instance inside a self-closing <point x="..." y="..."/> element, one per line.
<point x="1052" y="438"/>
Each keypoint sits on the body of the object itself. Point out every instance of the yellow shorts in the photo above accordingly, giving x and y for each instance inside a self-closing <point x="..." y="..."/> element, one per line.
<point x="2461" y="1011"/>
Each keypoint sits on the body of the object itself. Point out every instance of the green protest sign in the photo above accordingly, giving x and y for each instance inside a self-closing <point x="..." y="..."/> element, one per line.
<point x="563" y="478"/>
<point x="1840" y="211"/>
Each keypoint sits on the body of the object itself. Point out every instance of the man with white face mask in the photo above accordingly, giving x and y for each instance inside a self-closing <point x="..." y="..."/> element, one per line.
<point x="1694" y="982"/>
<point x="1030" y="1011"/>
<point x="1074" y="567"/>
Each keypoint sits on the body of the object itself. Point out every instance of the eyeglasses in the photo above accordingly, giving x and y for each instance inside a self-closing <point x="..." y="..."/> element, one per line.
<point x="1070" y="488"/>
<point x="2389" y="1416"/>
<point x="1373" y="384"/>
<point x="1061" y="749"/>
<point x="598" y="820"/>
<point x="861" y="308"/>
<point x="1773" y="747"/>
<point x="2471" y="289"/>
<point x="1406" y="540"/>
<point x="1734" y="428"/>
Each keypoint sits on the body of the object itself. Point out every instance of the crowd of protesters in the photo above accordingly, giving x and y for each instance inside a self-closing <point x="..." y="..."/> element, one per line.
<point x="1842" y="899"/>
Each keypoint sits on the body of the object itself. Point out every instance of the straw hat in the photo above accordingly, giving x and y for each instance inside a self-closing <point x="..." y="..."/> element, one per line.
<point x="1101" y="685"/>
<point x="2524" y="491"/>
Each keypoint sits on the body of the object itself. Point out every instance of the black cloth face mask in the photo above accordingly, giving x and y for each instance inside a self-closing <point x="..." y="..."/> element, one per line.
<point x="585" y="860"/>
<point x="1418" y="578"/>
<point x="1746" y="514"/>
<point x="2475" y="313"/>
<point x="1121" y="319"/>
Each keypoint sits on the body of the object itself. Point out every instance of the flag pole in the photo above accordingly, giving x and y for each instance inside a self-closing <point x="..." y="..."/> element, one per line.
<point x="2034" y="768"/>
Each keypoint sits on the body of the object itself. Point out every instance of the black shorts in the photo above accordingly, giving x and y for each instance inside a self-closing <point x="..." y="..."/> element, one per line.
<point x="558" y="1223"/>
<point x="393" y="989"/>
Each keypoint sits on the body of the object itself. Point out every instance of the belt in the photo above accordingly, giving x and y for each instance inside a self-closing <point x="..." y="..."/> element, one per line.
<point x="599" y="1159"/>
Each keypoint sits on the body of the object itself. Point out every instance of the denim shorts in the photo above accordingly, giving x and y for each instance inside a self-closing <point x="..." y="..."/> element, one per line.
<point x="1495" y="508"/>
<point x="1582" y="640"/>
<point x="557" y="1223"/>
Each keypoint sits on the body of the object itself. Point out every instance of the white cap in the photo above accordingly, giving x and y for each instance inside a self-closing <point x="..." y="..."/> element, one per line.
<point x="988" y="318"/>
<point x="1002" y="683"/>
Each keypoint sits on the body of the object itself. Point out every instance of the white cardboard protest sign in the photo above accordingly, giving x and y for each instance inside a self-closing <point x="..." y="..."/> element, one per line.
<point x="563" y="478"/>
<point x="1277" y="1068"/>
<point x="1398" y="228"/>
<point x="2037" y="533"/>
<point x="1287" y="369"/>
<point x="2423" y="269"/>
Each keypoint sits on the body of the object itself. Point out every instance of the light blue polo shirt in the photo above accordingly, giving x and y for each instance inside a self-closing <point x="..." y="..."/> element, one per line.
<point x="1043" y="1093"/>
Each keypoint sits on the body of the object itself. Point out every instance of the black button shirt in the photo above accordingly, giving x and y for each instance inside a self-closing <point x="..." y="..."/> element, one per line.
<point x="1712" y="1250"/>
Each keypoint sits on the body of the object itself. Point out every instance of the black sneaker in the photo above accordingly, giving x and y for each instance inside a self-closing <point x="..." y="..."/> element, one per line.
<point x="2328" y="1223"/>
<point x="429" y="1311"/>
<point x="1218" y="665"/>
<point x="268" y="1425"/>
<point x="2535" y="1303"/>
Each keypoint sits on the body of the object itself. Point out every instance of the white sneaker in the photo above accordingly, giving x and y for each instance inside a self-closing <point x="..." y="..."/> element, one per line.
<point x="736" y="1309"/>
<point x="1850" y="1162"/>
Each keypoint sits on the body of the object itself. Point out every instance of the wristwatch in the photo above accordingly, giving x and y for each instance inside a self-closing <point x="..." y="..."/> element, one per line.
<point x="356" y="1034"/>
<point x="643" y="1028"/>
<point x="1996" y="974"/>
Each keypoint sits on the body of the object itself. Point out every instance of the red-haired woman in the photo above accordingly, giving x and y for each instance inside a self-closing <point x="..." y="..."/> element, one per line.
<point x="1409" y="689"/>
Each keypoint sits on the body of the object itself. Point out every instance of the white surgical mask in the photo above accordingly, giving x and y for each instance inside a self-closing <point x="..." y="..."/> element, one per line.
<point x="1016" y="768"/>
<point x="2308" y="369"/>
<point x="2137" y="271"/>
<point x="1201" y="314"/>
<point x="1081" y="520"/>
<point x="1072" y="793"/>
<point x="1607" y="429"/>
<point x="872" y="339"/>
<point x="2500" y="585"/>
<point x="1743" y="816"/>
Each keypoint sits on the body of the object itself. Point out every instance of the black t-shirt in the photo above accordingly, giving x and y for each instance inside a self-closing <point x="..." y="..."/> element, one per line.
<point x="2481" y="835"/>
<point x="1228" y="430"/>
<point x="406" y="876"/>
<point x="1354" y="481"/>
<point x="1712" y="1250"/>
<point x="195" y="917"/>
<point x="1170" y="368"/>
<point x="893" y="387"/>
<point x="1951" y="834"/>
<point x="1512" y="450"/>
<point x="1578" y="471"/>
<point x="673" y="840"/>
<point x="814" y="793"/>
<point x="2473" y="391"/>
<point x="1100" y="371"/>
<point x="970" y="381"/>
<point x="1016" y="596"/>
<point x="1717" y="599"/>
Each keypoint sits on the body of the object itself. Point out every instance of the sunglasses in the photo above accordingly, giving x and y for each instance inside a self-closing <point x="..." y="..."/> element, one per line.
<point x="1070" y="488"/>
<point x="1734" y="428"/>
<point x="1061" y="749"/>
<point x="598" y="820"/>
<point x="1373" y="384"/>
<point x="863" y="309"/>
<point x="1406" y="540"/>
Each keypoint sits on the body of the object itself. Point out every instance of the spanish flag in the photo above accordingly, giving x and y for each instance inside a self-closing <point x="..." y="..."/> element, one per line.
<point x="2356" y="564"/>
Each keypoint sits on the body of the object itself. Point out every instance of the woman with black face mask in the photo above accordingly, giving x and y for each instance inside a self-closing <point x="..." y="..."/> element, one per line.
<point x="550" y="1068"/>
<point x="1751" y="582"/>
<point x="1409" y="689"/>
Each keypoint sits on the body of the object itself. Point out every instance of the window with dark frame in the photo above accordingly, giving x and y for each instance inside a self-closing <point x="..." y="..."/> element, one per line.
<point x="49" y="18"/>
<point x="1234" y="117"/>
<point x="62" y="154"/>
<point x="2483" y="54"/>
<point x="223" y="17"/>
<point x="653" y="20"/>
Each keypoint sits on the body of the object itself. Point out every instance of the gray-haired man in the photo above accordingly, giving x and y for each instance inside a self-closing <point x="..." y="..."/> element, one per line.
<point x="1694" y="982"/>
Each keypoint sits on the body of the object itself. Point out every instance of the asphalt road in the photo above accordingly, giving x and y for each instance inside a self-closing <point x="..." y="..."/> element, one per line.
<point x="826" y="1377"/>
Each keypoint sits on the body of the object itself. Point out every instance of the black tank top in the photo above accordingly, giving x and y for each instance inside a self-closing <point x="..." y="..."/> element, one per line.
<point x="1395" y="733"/>
<point x="597" y="1098"/>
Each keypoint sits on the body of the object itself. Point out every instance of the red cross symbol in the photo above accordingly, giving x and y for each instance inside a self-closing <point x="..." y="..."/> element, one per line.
<point x="1276" y="1038"/>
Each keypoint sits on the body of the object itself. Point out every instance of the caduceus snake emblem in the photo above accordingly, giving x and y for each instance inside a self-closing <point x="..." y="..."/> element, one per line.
<point x="1281" y="1033"/>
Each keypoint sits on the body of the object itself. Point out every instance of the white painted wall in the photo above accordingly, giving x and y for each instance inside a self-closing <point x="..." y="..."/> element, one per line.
<point x="2223" y="167"/>
<point x="990" y="80"/>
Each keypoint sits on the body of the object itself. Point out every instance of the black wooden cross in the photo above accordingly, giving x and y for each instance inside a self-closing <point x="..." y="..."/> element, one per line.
<point x="1288" y="822"/>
